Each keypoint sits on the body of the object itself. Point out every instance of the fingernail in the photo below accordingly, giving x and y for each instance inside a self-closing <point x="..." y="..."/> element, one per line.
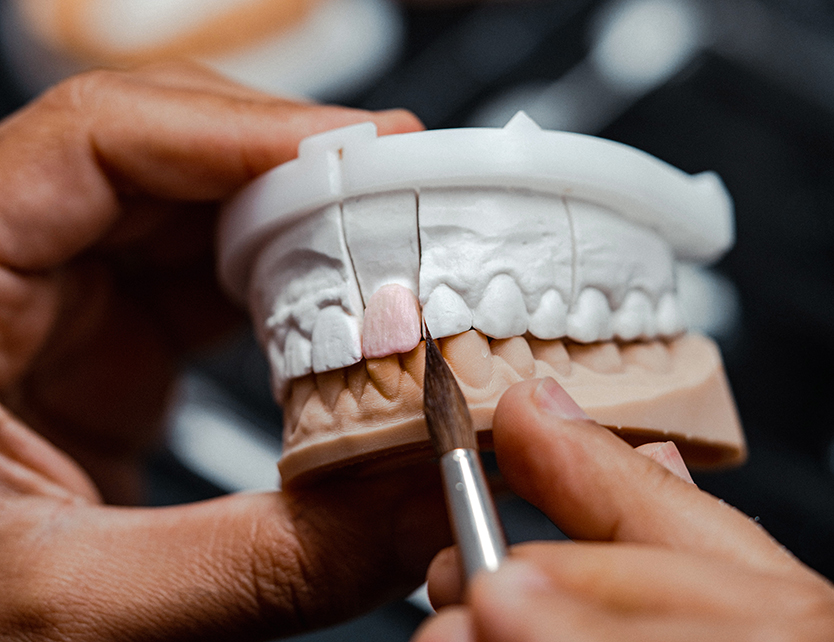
<point x="667" y="455"/>
<point x="550" y="397"/>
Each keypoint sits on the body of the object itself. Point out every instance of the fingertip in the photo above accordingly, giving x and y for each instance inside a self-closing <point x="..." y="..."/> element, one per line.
<point x="509" y="603"/>
<point x="397" y="121"/>
<point x="452" y="624"/>
<point x="445" y="580"/>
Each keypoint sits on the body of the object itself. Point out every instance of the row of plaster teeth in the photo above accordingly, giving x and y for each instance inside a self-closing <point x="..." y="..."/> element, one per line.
<point x="589" y="319"/>
<point x="503" y="262"/>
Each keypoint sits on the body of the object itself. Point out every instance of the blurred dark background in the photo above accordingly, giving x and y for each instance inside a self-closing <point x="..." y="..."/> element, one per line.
<point x="744" y="88"/>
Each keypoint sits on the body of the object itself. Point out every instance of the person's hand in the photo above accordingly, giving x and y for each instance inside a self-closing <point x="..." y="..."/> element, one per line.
<point x="110" y="184"/>
<point x="657" y="559"/>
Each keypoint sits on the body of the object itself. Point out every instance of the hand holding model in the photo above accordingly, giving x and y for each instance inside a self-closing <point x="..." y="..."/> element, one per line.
<point x="110" y="183"/>
<point x="109" y="186"/>
<point x="657" y="559"/>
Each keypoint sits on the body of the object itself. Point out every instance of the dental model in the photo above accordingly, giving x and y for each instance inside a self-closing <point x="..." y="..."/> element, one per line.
<point x="527" y="253"/>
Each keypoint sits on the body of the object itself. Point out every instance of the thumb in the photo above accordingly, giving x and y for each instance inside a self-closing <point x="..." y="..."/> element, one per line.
<point x="594" y="486"/>
<point x="249" y="565"/>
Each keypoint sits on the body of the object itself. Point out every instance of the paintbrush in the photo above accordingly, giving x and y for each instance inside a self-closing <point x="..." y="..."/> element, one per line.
<point x="471" y="509"/>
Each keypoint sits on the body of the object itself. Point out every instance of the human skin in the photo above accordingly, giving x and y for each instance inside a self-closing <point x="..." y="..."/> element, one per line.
<point x="655" y="558"/>
<point x="110" y="184"/>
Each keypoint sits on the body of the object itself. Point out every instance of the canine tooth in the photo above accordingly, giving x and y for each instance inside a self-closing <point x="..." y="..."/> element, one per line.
<point x="336" y="340"/>
<point x="501" y="313"/>
<point x="381" y="235"/>
<point x="669" y="316"/>
<point x="616" y="255"/>
<point x="550" y="320"/>
<point x="469" y="237"/>
<point x="446" y="313"/>
<point x="469" y="356"/>
<point x="516" y="352"/>
<point x="634" y="317"/>
<point x="392" y="322"/>
<point x="590" y="318"/>
<point x="297" y="355"/>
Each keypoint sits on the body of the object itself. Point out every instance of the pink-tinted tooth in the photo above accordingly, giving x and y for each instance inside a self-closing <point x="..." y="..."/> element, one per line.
<point x="392" y="322"/>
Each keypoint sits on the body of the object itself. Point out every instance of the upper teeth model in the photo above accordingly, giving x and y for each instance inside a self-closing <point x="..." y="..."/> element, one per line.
<point x="531" y="252"/>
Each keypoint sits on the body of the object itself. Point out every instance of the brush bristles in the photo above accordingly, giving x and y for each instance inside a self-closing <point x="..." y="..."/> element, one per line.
<point x="447" y="415"/>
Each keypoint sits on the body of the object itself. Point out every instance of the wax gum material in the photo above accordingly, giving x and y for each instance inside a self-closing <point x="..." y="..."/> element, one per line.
<point x="683" y="397"/>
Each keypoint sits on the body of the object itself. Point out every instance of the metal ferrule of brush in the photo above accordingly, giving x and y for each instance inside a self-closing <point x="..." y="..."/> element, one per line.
<point x="472" y="512"/>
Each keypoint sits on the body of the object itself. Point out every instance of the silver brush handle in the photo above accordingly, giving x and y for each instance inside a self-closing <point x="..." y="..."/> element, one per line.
<point x="472" y="512"/>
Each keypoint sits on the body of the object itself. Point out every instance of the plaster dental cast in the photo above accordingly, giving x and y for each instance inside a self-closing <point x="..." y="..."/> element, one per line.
<point x="111" y="183"/>
<point x="528" y="253"/>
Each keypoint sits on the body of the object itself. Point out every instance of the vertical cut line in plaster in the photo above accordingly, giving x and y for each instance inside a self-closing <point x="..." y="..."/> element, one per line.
<point x="419" y="258"/>
<point x="573" y="254"/>
<point x="348" y="252"/>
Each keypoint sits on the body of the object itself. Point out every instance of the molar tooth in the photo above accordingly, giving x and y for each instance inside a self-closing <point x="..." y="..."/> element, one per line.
<point x="446" y="313"/>
<point x="634" y="317"/>
<point x="590" y="318"/>
<point x="392" y="322"/>
<point x="336" y="340"/>
<point x="670" y="319"/>
<point x="501" y="313"/>
<point x="550" y="320"/>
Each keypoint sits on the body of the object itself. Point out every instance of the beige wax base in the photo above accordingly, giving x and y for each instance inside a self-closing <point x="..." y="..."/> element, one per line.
<point x="372" y="412"/>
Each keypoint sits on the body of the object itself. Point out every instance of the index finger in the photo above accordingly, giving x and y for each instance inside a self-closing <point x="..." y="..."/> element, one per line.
<point x="594" y="486"/>
<point x="171" y="134"/>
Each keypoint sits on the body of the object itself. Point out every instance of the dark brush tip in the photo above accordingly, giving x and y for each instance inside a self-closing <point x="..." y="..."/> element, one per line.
<point x="447" y="415"/>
